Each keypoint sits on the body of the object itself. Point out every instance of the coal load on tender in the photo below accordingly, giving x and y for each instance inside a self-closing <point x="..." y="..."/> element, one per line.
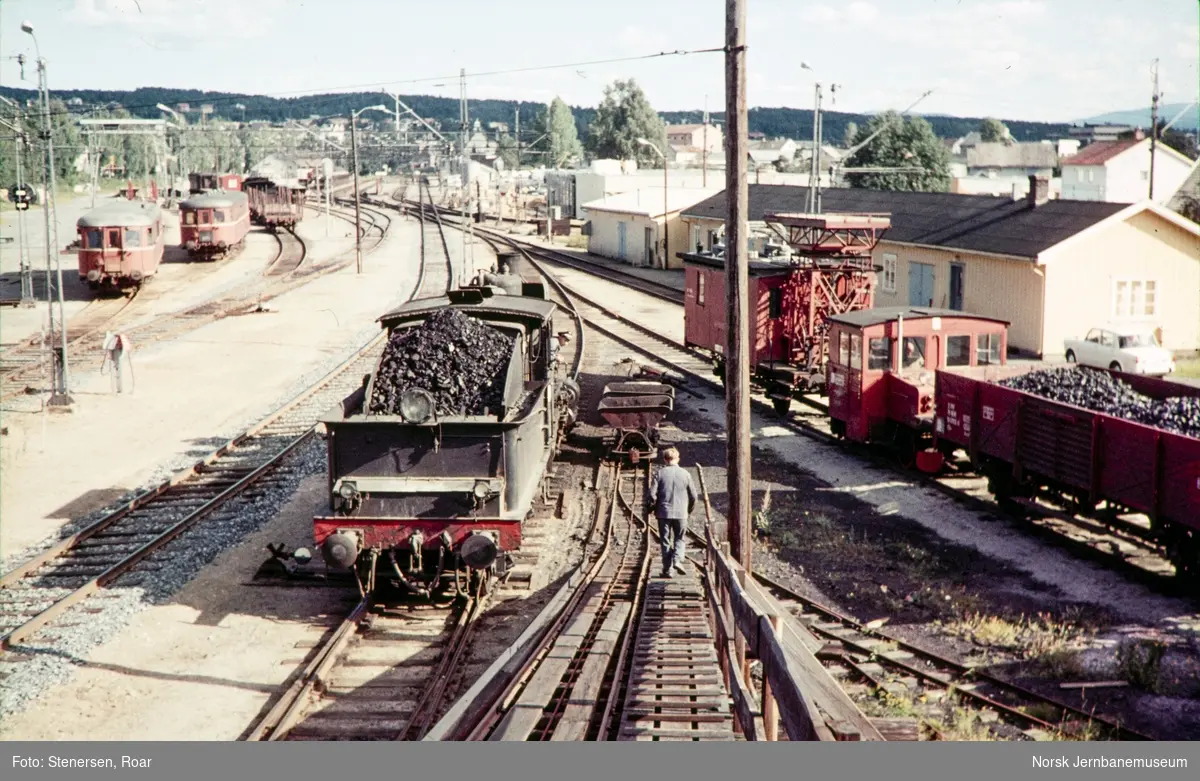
<point x="1101" y="392"/>
<point x="461" y="361"/>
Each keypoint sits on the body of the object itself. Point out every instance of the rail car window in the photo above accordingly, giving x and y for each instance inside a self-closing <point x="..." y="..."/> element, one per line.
<point x="189" y="218"/>
<point x="914" y="352"/>
<point x="879" y="353"/>
<point x="844" y="349"/>
<point x="114" y="237"/>
<point x="958" y="350"/>
<point x="94" y="239"/>
<point x="855" y="351"/>
<point x="219" y="215"/>
<point x="775" y="303"/>
<point x="987" y="349"/>
<point x="133" y="237"/>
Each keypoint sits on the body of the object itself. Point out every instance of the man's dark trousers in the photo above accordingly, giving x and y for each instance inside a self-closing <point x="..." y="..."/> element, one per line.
<point x="673" y="536"/>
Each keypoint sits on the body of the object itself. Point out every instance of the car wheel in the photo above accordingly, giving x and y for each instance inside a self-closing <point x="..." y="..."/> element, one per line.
<point x="1115" y="366"/>
<point x="1070" y="356"/>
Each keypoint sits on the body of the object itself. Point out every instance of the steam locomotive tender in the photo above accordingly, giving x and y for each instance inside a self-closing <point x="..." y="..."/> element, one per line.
<point x="426" y="501"/>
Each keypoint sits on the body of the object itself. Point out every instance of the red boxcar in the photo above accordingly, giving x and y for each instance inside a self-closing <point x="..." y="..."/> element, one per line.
<point x="120" y="244"/>
<point x="880" y="375"/>
<point x="214" y="223"/>
<point x="1029" y="446"/>
<point x="204" y="182"/>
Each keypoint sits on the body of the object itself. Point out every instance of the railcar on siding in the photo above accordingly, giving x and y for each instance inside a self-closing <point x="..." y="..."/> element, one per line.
<point x="120" y="244"/>
<point x="214" y="223"/>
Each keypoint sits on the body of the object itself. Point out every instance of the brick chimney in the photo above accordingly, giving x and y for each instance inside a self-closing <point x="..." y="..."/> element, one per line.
<point x="1039" y="191"/>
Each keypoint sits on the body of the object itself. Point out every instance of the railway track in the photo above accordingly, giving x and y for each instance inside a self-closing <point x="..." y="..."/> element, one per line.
<point x="289" y="256"/>
<point x="874" y="665"/>
<point x="42" y="590"/>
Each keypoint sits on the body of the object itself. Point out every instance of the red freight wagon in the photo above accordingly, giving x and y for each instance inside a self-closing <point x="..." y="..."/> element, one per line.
<point x="1029" y="446"/>
<point x="882" y="363"/>
<point x="704" y="308"/>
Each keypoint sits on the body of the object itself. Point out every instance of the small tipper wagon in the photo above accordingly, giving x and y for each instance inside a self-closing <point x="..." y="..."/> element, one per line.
<point x="634" y="410"/>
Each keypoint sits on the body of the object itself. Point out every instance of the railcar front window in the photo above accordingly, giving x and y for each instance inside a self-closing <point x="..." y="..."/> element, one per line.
<point x="987" y="350"/>
<point x="114" y="239"/>
<point x="914" y="352"/>
<point x="218" y="216"/>
<point x="879" y="354"/>
<point x="94" y="239"/>
<point x="189" y="218"/>
<point x="855" y="351"/>
<point x="133" y="237"/>
<point x="844" y="349"/>
<point x="958" y="351"/>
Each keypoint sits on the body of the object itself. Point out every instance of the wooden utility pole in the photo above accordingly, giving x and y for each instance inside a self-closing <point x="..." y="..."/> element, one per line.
<point x="737" y="338"/>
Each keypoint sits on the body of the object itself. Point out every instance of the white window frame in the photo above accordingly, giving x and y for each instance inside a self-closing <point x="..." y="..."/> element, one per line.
<point x="888" y="278"/>
<point x="1134" y="304"/>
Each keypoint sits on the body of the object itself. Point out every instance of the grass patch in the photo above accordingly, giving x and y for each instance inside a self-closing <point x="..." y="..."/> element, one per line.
<point x="1053" y="644"/>
<point x="1139" y="661"/>
<point x="577" y="242"/>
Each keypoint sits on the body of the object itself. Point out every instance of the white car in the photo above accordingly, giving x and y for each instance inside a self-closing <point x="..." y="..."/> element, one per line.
<point x="1133" y="350"/>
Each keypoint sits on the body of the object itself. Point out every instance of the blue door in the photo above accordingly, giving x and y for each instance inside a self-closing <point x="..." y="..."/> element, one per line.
<point x="920" y="284"/>
<point x="621" y="240"/>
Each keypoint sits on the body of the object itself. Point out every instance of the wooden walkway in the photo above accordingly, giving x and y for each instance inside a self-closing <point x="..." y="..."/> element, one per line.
<point x="675" y="690"/>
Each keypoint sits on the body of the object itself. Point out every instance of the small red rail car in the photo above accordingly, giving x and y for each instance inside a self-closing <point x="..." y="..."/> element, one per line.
<point x="882" y="363"/>
<point x="204" y="182"/>
<point x="1088" y="462"/>
<point x="120" y="244"/>
<point x="214" y="223"/>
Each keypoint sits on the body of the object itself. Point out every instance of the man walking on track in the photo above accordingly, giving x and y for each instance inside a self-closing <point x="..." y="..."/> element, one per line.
<point x="672" y="497"/>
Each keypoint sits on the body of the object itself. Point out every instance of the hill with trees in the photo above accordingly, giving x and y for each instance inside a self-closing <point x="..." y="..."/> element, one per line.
<point x="771" y="121"/>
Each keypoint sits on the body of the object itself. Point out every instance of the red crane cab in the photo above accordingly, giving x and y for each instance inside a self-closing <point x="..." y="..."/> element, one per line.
<point x="882" y="369"/>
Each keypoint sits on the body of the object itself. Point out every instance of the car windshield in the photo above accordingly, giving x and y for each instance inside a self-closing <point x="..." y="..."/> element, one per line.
<point x="1138" y="340"/>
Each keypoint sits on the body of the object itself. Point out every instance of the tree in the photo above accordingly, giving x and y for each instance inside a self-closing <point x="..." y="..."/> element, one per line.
<point x="506" y="149"/>
<point x="562" y="139"/>
<point x="1183" y="143"/>
<point x="903" y="142"/>
<point x="992" y="130"/>
<point x="624" y="116"/>
<point x="850" y="134"/>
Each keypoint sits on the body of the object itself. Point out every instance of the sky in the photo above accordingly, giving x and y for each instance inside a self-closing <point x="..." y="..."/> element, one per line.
<point x="1047" y="60"/>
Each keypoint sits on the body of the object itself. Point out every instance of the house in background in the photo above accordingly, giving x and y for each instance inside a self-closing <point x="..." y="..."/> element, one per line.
<point x="1004" y="168"/>
<point x="696" y="136"/>
<point x="1052" y="268"/>
<point x="1119" y="171"/>
<point x="629" y="226"/>
<point x="767" y="152"/>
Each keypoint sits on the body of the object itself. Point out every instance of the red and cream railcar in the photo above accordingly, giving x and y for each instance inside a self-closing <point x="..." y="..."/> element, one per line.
<point x="214" y="223"/>
<point x="881" y="372"/>
<point x="120" y="244"/>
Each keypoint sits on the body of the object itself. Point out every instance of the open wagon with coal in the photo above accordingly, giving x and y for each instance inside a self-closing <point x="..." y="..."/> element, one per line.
<point x="1123" y="449"/>
<point x="436" y="461"/>
<point x="635" y="410"/>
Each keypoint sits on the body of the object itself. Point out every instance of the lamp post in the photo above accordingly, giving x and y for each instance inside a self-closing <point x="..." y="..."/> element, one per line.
<point x="666" y="211"/>
<point x="354" y="155"/>
<point x="60" y="395"/>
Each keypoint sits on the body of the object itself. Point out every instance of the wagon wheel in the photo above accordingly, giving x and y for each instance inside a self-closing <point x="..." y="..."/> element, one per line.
<point x="1185" y="555"/>
<point x="782" y="406"/>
